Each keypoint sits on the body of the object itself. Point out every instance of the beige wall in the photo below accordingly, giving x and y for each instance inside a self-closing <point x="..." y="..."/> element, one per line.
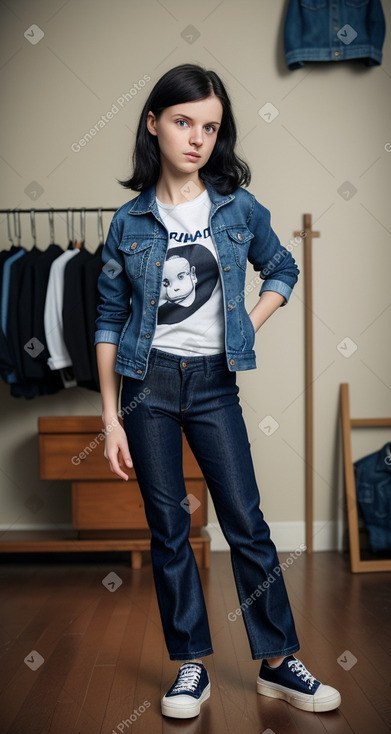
<point x="332" y="127"/>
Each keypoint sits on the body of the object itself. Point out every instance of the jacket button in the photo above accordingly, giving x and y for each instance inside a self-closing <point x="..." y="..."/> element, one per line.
<point x="152" y="302"/>
<point x="230" y="307"/>
<point x="240" y="236"/>
<point x="139" y="372"/>
<point x="232" y="361"/>
<point x="158" y="264"/>
<point x="147" y="336"/>
<point x="133" y="245"/>
<point x="227" y="268"/>
<point x="336" y="53"/>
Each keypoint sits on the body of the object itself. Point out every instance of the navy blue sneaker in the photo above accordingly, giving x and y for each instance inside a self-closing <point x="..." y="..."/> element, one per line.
<point x="292" y="682"/>
<point x="190" y="690"/>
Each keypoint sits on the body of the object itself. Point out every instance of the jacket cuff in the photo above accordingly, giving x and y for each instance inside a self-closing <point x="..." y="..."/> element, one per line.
<point x="105" y="335"/>
<point x="279" y="287"/>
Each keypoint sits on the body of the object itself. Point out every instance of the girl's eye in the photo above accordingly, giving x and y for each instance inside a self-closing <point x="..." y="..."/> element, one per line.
<point x="209" y="128"/>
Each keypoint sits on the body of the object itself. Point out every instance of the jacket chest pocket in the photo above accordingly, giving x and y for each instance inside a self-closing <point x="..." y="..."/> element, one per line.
<point x="136" y="251"/>
<point x="240" y="238"/>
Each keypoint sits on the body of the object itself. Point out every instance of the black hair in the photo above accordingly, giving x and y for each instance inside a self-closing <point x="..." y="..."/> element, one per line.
<point x="188" y="83"/>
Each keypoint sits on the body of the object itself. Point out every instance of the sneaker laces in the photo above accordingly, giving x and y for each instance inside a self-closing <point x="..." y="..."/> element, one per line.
<point x="188" y="678"/>
<point x="297" y="667"/>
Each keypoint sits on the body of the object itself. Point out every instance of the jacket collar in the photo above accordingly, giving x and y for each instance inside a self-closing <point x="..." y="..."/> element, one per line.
<point x="383" y="462"/>
<point x="146" y="201"/>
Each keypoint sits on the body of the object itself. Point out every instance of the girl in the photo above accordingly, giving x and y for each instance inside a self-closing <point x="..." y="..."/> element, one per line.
<point x="173" y="323"/>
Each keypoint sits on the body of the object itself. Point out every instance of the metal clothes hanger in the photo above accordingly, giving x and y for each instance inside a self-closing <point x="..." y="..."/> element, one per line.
<point x="17" y="227"/>
<point x="10" y="239"/>
<point x="101" y="235"/>
<point x="73" y="228"/>
<point x="78" y="244"/>
<point x="82" y="227"/>
<point x="33" y="227"/>
<point x="51" y="226"/>
<point x="69" y="229"/>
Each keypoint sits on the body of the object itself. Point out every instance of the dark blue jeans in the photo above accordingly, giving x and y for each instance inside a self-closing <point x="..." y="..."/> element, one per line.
<point x="200" y="395"/>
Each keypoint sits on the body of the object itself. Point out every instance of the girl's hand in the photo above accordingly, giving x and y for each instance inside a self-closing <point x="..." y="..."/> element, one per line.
<point x="117" y="452"/>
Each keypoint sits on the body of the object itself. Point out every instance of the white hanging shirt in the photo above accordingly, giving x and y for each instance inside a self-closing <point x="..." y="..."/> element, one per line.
<point x="53" y="323"/>
<point x="190" y="312"/>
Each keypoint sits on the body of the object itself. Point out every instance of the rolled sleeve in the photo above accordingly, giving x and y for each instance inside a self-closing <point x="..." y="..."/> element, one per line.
<point x="109" y="337"/>
<point x="279" y="287"/>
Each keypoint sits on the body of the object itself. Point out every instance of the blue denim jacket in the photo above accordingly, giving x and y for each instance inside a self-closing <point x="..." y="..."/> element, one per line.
<point x="373" y="487"/>
<point x="334" y="30"/>
<point x="133" y="258"/>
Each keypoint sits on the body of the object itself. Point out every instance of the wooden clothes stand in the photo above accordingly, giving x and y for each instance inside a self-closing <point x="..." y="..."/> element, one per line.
<point x="348" y="423"/>
<point x="307" y="234"/>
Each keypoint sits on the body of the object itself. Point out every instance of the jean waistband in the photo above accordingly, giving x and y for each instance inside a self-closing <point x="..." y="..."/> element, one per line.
<point x="208" y="363"/>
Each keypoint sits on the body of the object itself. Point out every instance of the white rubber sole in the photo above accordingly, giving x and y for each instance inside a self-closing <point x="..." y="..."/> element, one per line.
<point x="299" y="700"/>
<point x="184" y="707"/>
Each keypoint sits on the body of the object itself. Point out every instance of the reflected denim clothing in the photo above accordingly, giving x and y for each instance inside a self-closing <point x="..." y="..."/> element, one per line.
<point x="373" y="487"/>
<point x="334" y="30"/>
<point x="200" y="396"/>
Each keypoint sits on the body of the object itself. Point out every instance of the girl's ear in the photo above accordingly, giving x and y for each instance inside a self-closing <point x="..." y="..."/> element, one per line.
<point x="151" y="123"/>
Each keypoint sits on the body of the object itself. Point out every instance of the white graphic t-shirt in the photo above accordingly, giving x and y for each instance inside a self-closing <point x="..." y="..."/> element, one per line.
<point x="190" y="312"/>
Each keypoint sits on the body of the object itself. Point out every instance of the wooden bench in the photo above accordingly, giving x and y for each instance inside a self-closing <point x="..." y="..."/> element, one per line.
<point x="107" y="512"/>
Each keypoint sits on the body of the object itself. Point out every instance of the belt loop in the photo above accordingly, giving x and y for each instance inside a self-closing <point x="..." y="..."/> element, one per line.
<point x="152" y="356"/>
<point x="207" y="369"/>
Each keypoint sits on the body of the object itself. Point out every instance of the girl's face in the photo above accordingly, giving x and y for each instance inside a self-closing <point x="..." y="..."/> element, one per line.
<point x="186" y="134"/>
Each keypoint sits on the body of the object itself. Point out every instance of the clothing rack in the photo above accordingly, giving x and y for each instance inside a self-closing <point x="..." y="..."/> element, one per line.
<point x="70" y="212"/>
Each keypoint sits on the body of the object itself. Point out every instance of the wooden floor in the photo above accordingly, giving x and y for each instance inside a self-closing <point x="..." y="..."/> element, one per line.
<point x="105" y="664"/>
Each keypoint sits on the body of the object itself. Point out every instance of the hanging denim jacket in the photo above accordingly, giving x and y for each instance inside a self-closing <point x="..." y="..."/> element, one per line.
<point x="334" y="30"/>
<point x="373" y="487"/>
<point x="131" y="277"/>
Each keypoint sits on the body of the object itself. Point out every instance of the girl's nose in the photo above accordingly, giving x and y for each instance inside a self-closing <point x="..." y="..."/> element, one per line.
<point x="196" y="137"/>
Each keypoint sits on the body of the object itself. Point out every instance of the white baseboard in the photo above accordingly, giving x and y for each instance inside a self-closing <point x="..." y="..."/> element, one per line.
<point x="287" y="536"/>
